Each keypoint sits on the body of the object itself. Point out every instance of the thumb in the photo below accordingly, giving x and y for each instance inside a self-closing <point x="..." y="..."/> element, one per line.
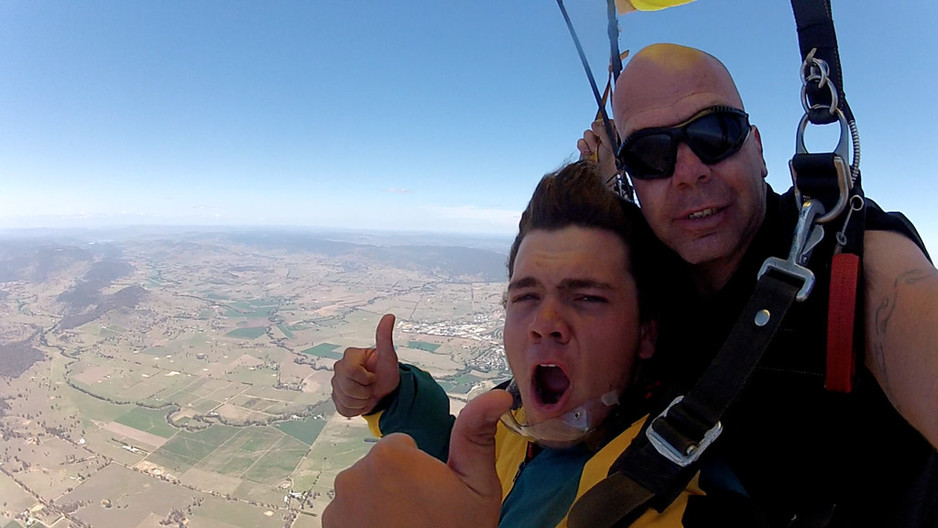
<point x="383" y="362"/>
<point x="385" y="356"/>
<point x="472" y="445"/>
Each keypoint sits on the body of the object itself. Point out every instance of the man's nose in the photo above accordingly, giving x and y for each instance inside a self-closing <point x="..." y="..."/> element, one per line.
<point x="550" y="322"/>
<point x="688" y="169"/>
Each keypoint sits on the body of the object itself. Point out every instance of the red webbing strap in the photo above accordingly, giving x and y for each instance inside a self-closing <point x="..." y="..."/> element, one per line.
<point x="841" y="357"/>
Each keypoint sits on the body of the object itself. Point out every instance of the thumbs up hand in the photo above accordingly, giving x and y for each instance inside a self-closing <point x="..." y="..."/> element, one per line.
<point x="365" y="375"/>
<point x="397" y="485"/>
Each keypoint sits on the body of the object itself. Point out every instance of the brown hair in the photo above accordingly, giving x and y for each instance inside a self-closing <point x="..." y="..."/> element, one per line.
<point x="575" y="195"/>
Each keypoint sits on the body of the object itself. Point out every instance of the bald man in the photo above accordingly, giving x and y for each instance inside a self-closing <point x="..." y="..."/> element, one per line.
<point x="798" y="452"/>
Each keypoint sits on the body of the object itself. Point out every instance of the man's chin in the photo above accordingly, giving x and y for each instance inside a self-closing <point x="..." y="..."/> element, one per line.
<point x="540" y="413"/>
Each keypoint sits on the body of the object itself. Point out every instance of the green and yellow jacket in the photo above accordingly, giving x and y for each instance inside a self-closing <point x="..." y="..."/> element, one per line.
<point x="539" y="485"/>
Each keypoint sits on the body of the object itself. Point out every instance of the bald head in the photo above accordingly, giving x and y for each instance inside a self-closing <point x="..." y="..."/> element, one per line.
<point x="665" y="83"/>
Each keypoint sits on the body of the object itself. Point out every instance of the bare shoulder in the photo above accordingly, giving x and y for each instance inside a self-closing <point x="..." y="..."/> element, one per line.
<point x="886" y="252"/>
<point x="901" y="288"/>
<point x="897" y="275"/>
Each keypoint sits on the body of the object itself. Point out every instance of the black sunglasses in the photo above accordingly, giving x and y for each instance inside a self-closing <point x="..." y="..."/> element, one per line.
<point x="713" y="134"/>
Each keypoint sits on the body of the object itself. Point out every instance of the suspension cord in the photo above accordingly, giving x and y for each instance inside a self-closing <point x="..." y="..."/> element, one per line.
<point x="621" y="185"/>
<point x="612" y="30"/>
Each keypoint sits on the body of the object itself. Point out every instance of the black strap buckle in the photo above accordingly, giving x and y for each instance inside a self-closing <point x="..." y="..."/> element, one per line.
<point x="680" y="457"/>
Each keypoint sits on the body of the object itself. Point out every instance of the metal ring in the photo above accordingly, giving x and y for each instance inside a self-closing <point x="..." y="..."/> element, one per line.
<point x="814" y="69"/>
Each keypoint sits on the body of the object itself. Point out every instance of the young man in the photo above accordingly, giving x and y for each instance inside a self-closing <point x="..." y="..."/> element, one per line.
<point x="576" y="327"/>
<point x="801" y="454"/>
<point x="795" y="453"/>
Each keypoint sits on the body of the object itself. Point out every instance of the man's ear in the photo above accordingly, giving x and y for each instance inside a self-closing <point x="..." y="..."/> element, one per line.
<point x="758" y="139"/>
<point x="647" y="339"/>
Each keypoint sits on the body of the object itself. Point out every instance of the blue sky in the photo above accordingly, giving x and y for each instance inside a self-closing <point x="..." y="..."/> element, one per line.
<point x="419" y="115"/>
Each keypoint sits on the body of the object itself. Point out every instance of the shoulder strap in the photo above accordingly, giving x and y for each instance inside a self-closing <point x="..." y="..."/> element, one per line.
<point x="659" y="464"/>
<point x="827" y="177"/>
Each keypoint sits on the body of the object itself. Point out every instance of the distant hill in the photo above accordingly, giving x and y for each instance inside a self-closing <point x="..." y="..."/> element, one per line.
<point x="446" y="256"/>
<point x="451" y="260"/>
<point x="35" y="258"/>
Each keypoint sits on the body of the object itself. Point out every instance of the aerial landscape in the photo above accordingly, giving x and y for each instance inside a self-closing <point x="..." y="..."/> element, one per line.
<point x="174" y="377"/>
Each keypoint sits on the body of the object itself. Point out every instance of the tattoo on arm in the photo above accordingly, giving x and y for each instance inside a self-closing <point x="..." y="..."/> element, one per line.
<point x="886" y="310"/>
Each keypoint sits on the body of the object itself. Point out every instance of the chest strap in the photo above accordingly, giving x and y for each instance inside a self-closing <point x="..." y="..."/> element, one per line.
<point x="658" y="465"/>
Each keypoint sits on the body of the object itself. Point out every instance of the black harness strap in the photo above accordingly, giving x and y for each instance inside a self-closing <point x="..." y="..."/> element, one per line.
<point x="821" y="177"/>
<point x="657" y="466"/>
<point x="816" y="31"/>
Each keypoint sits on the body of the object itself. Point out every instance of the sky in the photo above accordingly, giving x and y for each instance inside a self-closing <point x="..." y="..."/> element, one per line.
<point x="435" y="116"/>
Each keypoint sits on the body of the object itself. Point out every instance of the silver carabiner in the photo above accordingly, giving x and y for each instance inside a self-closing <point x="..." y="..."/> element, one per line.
<point x="841" y="153"/>
<point x="817" y="70"/>
<point x="807" y="235"/>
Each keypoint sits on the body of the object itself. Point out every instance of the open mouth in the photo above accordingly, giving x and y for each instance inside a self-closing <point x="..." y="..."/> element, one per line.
<point x="702" y="213"/>
<point x="550" y="383"/>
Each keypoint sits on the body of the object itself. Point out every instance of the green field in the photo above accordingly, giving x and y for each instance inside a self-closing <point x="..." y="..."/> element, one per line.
<point x="183" y="395"/>
<point x="242" y="451"/>
<point x="186" y="449"/>
<point x="204" y="405"/>
<point x="149" y="420"/>
<point x="248" y="333"/>
<point x="460" y="384"/>
<point x="286" y="331"/>
<point x="267" y="405"/>
<point x="110" y="331"/>
<point x="159" y="351"/>
<point x="305" y="431"/>
<point x="422" y="345"/>
<point x="260" y="309"/>
<point x="216" y="434"/>
<point x="277" y="463"/>
<point x="260" y="454"/>
<point x="94" y="408"/>
<point x="325" y="350"/>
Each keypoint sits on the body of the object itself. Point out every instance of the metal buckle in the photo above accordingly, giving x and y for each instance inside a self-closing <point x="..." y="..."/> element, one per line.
<point x="843" y="172"/>
<point x="669" y="451"/>
<point x="807" y="236"/>
<point x="817" y="71"/>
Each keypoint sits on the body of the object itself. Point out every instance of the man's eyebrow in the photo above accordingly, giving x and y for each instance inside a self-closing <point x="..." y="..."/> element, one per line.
<point x="565" y="284"/>
<point x="525" y="282"/>
<point x="574" y="284"/>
